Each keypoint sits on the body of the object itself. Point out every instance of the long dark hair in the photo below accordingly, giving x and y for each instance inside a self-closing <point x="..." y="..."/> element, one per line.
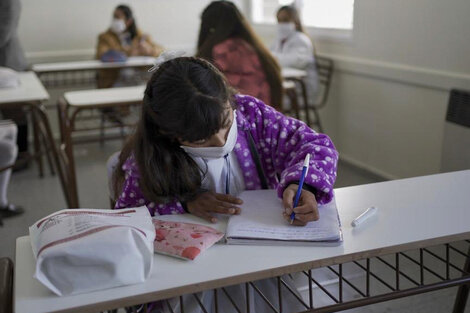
<point x="132" y="29"/>
<point x="186" y="99"/>
<point x="294" y="15"/>
<point x="222" y="20"/>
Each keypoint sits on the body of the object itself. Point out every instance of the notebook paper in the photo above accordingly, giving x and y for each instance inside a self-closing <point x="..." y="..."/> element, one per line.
<point x="261" y="222"/>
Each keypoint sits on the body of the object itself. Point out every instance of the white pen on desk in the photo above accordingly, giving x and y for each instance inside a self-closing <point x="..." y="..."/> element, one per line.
<point x="364" y="216"/>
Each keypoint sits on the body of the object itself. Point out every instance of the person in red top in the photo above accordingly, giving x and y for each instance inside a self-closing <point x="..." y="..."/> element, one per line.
<point x="227" y="40"/>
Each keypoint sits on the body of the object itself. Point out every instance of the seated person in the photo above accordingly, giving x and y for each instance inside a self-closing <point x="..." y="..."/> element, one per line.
<point x="227" y="39"/>
<point x="8" y="153"/>
<point x="122" y="39"/>
<point x="293" y="48"/>
<point x="198" y="145"/>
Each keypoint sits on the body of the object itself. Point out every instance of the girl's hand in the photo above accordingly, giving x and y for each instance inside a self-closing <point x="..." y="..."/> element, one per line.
<point x="211" y="202"/>
<point x="307" y="209"/>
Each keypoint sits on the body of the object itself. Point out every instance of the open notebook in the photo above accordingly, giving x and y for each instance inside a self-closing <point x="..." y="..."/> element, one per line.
<point x="261" y="223"/>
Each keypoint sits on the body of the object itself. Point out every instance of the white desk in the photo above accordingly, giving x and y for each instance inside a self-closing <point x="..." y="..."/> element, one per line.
<point x="137" y="61"/>
<point x="73" y="102"/>
<point x="289" y="72"/>
<point x="29" y="90"/>
<point x="104" y="97"/>
<point x="30" y="93"/>
<point x="85" y="72"/>
<point x="411" y="215"/>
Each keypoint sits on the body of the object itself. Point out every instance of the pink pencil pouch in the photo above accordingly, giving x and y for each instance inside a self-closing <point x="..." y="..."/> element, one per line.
<point x="183" y="240"/>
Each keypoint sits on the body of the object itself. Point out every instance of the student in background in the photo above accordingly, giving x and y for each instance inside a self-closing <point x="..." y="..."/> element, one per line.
<point x="293" y="48"/>
<point x="8" y="153"/>
<point x="12" y="56"/>
<point x="121" y="40"/>
<point x="227" y="39"/>
<point x="198" y="145"/>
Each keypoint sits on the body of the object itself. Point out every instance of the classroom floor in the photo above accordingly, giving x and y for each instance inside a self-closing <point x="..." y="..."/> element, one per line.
<point x="42" y="196"/>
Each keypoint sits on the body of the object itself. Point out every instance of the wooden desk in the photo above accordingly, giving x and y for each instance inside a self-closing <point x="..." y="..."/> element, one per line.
<point x="74" y="102"/>
<point x="31" y="93"/>
<point x="410" y="216"/>
<point x="61" y="73"/>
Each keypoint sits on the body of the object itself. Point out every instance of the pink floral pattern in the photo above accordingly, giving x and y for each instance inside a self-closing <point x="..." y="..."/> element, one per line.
<point x="185" y="240"/>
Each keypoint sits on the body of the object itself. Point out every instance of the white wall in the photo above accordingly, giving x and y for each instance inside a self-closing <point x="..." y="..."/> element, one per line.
<point x="390" y="90"/>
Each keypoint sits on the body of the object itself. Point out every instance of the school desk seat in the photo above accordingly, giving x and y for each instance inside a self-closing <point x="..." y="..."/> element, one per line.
<point x="325" y="67"/>
<point x="294" y="78"/>
<point x="290" y="90"/>
<point x="74" y="102"/>
<point x="30" y="95"/>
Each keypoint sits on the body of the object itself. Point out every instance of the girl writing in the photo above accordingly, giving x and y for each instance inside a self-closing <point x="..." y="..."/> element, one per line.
<point x="197" y="145"/>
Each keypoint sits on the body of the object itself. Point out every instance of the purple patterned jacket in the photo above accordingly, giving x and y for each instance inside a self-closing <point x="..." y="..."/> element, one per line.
<point x="282" y="144"/>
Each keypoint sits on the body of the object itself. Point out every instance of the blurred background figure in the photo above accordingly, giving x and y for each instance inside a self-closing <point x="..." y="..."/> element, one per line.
<point x="12" y="56"/>
<point x="121" y="40"/>
<point x="227" y="39"/>
<point x="8" y="153"/>
<point x="293" y="48"/>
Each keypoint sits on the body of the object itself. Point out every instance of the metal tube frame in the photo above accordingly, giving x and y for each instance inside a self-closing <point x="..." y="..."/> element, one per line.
<point x="454" y="275"/>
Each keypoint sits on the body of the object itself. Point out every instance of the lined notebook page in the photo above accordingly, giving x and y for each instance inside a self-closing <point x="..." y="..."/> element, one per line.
<point x="261" y="219"/>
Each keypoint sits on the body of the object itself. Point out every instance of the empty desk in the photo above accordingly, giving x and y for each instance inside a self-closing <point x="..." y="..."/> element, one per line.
<point x="75" y="102"/>
<point x="31" y="93"/>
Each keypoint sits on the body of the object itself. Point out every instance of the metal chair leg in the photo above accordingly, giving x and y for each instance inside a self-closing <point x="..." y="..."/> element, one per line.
<point x="103" y="120"/>
<point x="37" y="143"/>
<point x="66" y="174"/>
<point x="317" y="119"/>
<point x="463" y="291"/>
<point x="48" y="154"/>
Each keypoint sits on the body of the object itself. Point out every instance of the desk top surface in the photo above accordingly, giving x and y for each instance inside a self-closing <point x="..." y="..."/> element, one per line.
<point x="136" y="61"/>
<point x="29" y="89"/>
<point x="94" y="97"/>
<point x="105" y="96"/>
<point x="289" y="72"/>
<point x="412" y="213"/>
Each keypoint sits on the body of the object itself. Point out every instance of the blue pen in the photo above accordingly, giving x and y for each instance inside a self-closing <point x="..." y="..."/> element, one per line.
<point x="301" y="183"/>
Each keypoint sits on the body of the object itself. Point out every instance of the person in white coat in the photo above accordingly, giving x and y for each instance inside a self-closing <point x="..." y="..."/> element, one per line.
<point x="294" y="49"/>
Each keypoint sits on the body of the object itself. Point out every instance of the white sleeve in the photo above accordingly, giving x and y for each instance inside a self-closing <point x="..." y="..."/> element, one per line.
<point x="297" y="54"/>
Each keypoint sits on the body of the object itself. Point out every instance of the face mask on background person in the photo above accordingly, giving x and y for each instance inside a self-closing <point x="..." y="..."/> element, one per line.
<point x="284" y="30"/>
<point x="118" y="26"/>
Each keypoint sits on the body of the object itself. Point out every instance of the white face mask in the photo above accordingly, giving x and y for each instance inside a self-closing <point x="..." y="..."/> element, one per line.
<point x="118" y="26"/>
<point x="217" y="152"/>
<point x="284" y="30"/>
